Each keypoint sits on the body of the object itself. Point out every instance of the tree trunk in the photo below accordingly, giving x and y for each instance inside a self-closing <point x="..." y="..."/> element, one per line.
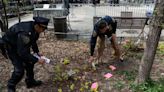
<point x="4" y="18"/>
<point x="18" y="12"/>
<point x="151" y="42"/>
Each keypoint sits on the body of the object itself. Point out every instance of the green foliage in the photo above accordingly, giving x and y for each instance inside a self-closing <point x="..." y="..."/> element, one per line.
<point x="60" y="90"/>
<point x="5" y="1"/>
<point x="160" y="49"/>
<point x="84" y="86"/>
<point x="130" y="45"/>
<point x="81" y="89"/>
<point x="155" y="12"/>
<point x="119" y="85"/>
<point x="66" y="61"/>
<point x="149" y="86"/>
<point x="72" y="86"/>
<point x="129" y="75"/>
<point x="139" y="55"/>
<point x="60" y="73"/>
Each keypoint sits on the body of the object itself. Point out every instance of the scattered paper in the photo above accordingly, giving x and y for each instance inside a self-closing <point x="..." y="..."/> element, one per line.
<point x="94" y="86"/>
<point x="36" y="55"/>
<point x="46" y="6"/>
<point x="112" y="67"/>
<point x="47" y="60"/>
<point x="108" y="75"/>
<point x="71" y="72"/>
<point x="162" y="74"/>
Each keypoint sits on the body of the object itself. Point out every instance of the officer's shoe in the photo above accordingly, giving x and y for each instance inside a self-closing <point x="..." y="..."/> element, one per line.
<point x="11" y="89"/>
<point x="34" y="83"/>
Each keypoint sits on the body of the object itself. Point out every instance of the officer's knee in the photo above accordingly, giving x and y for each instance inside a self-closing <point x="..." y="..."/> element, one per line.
<point x="19" y="73"/>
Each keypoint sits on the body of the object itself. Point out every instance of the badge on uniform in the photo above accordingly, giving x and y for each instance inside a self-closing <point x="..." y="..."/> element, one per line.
<point x="94" y="34"/>
<point x="26" y="39"/>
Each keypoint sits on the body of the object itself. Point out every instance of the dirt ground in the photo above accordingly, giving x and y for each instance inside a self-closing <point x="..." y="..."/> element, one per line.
<point x="70" y="71"/>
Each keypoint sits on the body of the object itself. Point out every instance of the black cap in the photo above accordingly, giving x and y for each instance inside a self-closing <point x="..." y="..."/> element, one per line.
<point x="102" y="24"/>
<point x="41" y="20"/>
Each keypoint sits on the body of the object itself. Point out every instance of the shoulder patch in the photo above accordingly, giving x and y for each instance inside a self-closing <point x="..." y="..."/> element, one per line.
<point x="25" y="39"/>
<point x="94" y="34"/>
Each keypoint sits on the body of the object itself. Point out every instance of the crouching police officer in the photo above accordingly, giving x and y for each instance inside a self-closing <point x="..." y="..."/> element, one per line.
<point x="105" y="26"/>
<point x="20" y="38"/>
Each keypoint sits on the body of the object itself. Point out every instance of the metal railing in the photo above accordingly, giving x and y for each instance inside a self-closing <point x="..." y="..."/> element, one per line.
<point x="138" y="10"/>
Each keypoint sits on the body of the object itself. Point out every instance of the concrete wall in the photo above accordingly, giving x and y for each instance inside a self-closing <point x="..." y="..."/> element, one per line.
<point x="50" y="13"/>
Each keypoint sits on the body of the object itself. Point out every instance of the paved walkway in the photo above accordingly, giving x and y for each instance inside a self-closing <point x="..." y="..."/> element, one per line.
<point x="80" y="18"/>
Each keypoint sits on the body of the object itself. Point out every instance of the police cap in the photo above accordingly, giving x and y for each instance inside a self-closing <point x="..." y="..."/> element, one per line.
<point x="41" y="20"/>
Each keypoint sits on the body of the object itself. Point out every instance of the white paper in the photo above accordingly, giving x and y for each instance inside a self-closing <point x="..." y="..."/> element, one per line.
<point x="35" y="55"/>
<point x="46" y="6"/>
<point x="47" y="60"/>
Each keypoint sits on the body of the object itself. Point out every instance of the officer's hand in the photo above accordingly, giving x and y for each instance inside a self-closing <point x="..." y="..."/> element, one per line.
<point x="41" y="61"/>
<point x="91" y="59"/>
<point x="40" y="54"/>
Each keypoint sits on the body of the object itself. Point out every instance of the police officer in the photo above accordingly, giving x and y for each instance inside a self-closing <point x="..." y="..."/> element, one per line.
<point x="105" y="26"/>
<point x="20" y="38"/>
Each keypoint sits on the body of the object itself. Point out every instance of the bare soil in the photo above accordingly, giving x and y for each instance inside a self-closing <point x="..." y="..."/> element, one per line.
<point x="70" y="70"/>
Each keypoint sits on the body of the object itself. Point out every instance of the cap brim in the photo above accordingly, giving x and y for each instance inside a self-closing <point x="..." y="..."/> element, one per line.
<point x="45" y="26"/>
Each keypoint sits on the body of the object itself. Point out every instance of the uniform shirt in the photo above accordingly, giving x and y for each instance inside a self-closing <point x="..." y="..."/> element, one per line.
<point x="21" y="37"/>
<point x="96" y="32"/>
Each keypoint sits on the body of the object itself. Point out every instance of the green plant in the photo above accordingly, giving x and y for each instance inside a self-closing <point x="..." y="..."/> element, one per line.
<point x="148" y="86"/>
<point x="139" y="55"/>
<point x="129" y="75"/>
<point x="160" y="48"/>
<point x="60" y="90"/>
<point x="60" y="73"/>
<point x="119" y="85"/>
<point x="72" y="86"/>
<point x="128" y="44"/>
<point x="85" y="85"/>
<point x="132" y="46"/>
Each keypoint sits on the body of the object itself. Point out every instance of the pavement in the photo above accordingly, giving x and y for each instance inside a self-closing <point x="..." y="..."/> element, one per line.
<point x="80" y="19"/>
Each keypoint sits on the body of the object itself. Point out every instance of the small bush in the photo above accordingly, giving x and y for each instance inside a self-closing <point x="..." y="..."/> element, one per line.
<point x="149" y="86"/>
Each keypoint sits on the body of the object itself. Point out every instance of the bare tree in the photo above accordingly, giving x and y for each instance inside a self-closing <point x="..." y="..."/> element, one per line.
<point x="156" y="25"/>
<point x="4" y="18"/>
<point x="18" y="11"/>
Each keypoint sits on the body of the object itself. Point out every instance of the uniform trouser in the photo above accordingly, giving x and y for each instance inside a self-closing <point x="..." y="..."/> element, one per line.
<point x="100" y="45"/>
<point x="19" y="68"/>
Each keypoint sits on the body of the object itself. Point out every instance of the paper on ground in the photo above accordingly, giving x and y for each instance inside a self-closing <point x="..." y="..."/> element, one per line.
<point x="108" y="75"/>
<point x="112" y="67"/>
<point x="94" y="86"/>
<point x="47" y="60"/>
<point x="46" y="6"/>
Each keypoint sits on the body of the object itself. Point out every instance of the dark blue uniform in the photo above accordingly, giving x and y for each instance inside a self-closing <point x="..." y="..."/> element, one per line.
<point x="20" y="38"/>
<point x="97" y="33"/>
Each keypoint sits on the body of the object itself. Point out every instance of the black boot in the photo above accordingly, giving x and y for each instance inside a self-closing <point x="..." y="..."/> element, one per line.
<point x="11" y="89"/>
<point x="33" y="83"/>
